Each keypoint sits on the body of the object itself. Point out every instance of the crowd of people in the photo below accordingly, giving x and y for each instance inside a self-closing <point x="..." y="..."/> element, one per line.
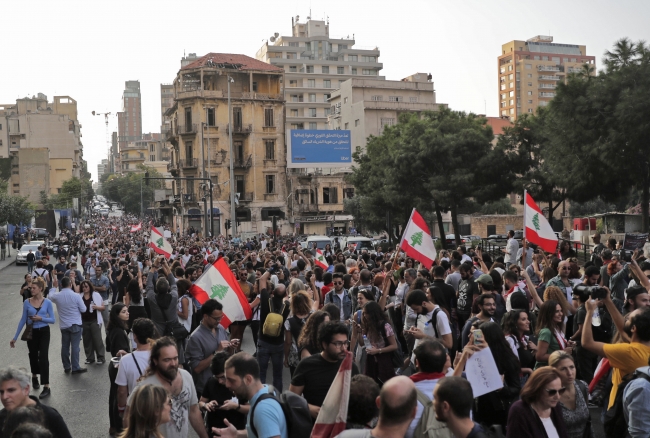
<point x="564" y="338"/>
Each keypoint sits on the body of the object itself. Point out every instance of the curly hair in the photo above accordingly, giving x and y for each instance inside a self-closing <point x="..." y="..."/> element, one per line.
<point x="556" y="294"/>
<point x="510" y="321"/>
<point x="373" y="320"/>
<point x="309" y="335"/>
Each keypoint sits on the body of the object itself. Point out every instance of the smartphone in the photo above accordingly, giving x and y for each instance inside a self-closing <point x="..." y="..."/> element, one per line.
<point x="478" y="336"/>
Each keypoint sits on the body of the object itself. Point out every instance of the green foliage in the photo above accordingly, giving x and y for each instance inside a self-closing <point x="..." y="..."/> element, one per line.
<point x="502" y="206"/>
<point x="15" y="209"/>
<point x="70" y="189"/>
<point x="125" y="189"/>
<point x="597" y="205"/>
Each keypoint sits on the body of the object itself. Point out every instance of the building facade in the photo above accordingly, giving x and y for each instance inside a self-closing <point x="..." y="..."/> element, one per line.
<point x="43" y="140"/>
<point x="129" y="120"/>
<point x="166" y="102"/>
<point x="199" y="137"/>
<point x="529" y="72"/>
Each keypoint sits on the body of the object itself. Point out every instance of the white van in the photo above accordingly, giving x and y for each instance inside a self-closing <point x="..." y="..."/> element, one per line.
<point x="320" y="241"/>
<point x="360" y="242"/>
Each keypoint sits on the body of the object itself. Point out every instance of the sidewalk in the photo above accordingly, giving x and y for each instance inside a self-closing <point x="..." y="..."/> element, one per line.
<point x="9" y="260"/>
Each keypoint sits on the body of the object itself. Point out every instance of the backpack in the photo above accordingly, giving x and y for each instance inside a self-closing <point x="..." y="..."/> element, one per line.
<point x="454" y="332"/>
<point x="295" y="409"/>
<point x="429" y="426"/>
<point x="274" y="321"/>
<point x="615" y="424"/>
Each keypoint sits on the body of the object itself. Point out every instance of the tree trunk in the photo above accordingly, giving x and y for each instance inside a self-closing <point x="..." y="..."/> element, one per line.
<point x="454" y="223"/>
<point x="441" y="226"/>
<point x="645" y="195"/>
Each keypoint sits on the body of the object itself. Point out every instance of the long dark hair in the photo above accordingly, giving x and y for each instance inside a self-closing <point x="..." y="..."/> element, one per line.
<point x="373" y="320"/>
<point x="133" y="289"/>
<point x="546" y="316"/>
<point x="507" y="362"/>
<point x="510" y="321"/>
<point x="309" y="335"/>
<point x="114" y="320"/>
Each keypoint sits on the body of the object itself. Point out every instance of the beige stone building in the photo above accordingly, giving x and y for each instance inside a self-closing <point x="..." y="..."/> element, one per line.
<point x="199" y="136"/>
<point x="51" y="128"/>
<point x="530" y="70"/>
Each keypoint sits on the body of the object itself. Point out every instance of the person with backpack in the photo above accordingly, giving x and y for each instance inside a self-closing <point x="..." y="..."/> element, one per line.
<point x="636" y="407"/>
<point x="431" y="363"/>
<point x="453" y="401"/>
<point x="40" y="271"/>
<point x="431" y="320"/>
<point x="301" y="308"/>
<point x="274" y="311"/>
<point x="266" y="417"/>
<point x="340" y="297"/>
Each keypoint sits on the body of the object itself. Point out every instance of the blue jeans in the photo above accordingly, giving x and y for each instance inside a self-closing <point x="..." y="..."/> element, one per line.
<point x="30" y="267"/>
<point x="275" y="353"/>
<point x="70" y="336"/>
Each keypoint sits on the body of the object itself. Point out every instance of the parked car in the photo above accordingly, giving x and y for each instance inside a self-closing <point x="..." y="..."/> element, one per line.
<point x="450" y="241"/>
<point x="498" y="238"/>
<point x="39" y="233"/>
<point x="21" y="254"/>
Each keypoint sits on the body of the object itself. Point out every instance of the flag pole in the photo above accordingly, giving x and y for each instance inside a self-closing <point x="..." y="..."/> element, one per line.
<point x="525" y="191"/>
<point x="400" y="242"/>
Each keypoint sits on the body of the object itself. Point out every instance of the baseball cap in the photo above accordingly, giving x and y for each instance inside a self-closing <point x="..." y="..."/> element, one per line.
<point x="485" y="279"/>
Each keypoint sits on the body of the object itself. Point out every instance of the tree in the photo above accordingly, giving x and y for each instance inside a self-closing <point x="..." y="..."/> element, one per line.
<point x="502" y="206"/>
<point x="125" y="189"/>
<point x="15" y="209"/>
<point x="70" y="189"/>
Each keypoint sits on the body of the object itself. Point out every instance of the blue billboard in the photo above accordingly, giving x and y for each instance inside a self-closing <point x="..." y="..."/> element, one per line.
<point x="319" y="148"/>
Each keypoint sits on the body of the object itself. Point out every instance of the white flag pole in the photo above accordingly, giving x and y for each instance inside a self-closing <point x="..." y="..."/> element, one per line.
<point x="525" y="191"/>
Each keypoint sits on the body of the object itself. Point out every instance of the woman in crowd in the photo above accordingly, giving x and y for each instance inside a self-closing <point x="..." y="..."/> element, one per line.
<point x="492" y="408"/>
<point x="185" y="311"/>
<point x="380" y="334"/>
<point x="117" y="342"/>
<point x="356" y="339"/>
<point x="216" y="399"/>
<point x="537" y="414"/>
<point x="308" y="339"/>
<point x="516" y="327"/>
<point x="92" y="321"/>
<point x="356" y="276"/>
<point x="301" y="307"/>
<point x="555" y="293"/>
<point x="550" y="336"/>
<point x="149" y="408"/>
<point x="328" y="250"/>
<point x="38" y="314"/>
<point x="26" y="288"/>
<point x="573" y="402"/>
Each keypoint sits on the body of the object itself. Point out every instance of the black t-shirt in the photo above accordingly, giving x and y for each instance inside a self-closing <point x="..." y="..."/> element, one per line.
<point x="316" y="375"/>
<point x="448" y="292"/>
<point x="213" y="390"/>
<point x="466" y="291"/>
<point x="52" y="420"/>
<point x="264" y="311"/>
<point x="601" y="333"/>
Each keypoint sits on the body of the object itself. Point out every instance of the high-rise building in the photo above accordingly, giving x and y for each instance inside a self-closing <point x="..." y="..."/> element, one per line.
<point x="129" y="120"/>
<point x="530" y="70"/>
<point x="166" y="102"/>
<point x="102" y="168"/>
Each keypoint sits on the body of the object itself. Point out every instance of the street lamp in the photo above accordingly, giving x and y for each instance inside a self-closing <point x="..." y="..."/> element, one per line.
<point x="233" y="214"/>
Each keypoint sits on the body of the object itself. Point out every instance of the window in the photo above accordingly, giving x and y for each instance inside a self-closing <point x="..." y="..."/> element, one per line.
<point x="413" y="99"/>
<point x="326" y="97"/>
<point x="530" y="93"/>
<point x="339" y="70"/>
<point x="254" y="87"/>
<point x="270" y="149"/>
<point x="270" y="183"/>
<point x="341" y="82"/>
<point x="353" y="58"/>
<point x="313" y="125"/>
<point x="510" y="77"/>
<point x="237" y="118"/>
<point x="312" y="97"/>
<point x="356" y="122"/>
<point x="293" y="83"/>
<point x="188" y="151"/>
<point x="293" y="68"/>
<point x="511" y="94"/>
<point x="268" y="117"/>
<point x="503" y="86"/>
<point x="530" y="84"/>
<point x="512" y="85"/>
<point x="327" y="83"/>
<point x="211" y="117"/>
<point x="152" y="148"/>
<point x="377" y="98"/>
<point x="368" y="59"/>
<point x="347" y="126"/>
<point x="295" y="44"/>
<point x="328" y="111"/>
<point x="530" y="75"/>
<point x="509" y="68"/>
<point x="311" y="83"/>
<point x="188" y="118"/>
<point x="330" y="195"/>
<point x="530" y="110"/>
<point x="530" y="100"/>
<point x="325" y="69"/>
<point x="312" y="112"/>
<point x="239" y="185"/>
<point x="528" y="66"/>
<point x="512" y="102"/>
<point x="348" y="193"/>
<point x="503" y="96"/>
<point x="395" y="98"/>
<point x="387" y="122"/>
<point x="294" y="113"/>
<point x="354" y="70"/>
<point x="369" y="72"/>
<point x="310" y="69"/>
<point x="152" y="158"/>
<point x="503" y="104"/>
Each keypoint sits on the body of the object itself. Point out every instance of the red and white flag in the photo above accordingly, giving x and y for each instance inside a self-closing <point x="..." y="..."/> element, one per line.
<point x="114" y="227"/>
<point x="321" y="260"/>
<point x="220" y="284"/>
<point x="159" y="244"/>
<point x="537" y="230"/>
<point x="333" y="413"/>
<point x="135" y="228"/>
<point x="417" y="242"/>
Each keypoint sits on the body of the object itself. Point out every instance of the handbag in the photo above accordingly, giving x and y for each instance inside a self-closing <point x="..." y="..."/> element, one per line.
<point x="29" y="329"/>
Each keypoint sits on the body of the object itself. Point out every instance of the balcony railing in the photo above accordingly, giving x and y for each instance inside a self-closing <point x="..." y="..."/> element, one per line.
<point x="549" y="68"/>
<point x="171" y="166"/>
<point x="240" y="129"/>
<point x="546" y="94"/>
<point x="245" y="197"/>
<point x="549" y="78"/>
<point x="550" y="86"/>
<point x="189" y="163"/>
<point x="189" y="197"/>
<point x="187" y="129"/>
<point x="244" y="163"/>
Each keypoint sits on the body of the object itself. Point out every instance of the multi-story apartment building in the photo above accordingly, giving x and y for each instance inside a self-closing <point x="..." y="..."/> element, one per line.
<point x="530" y="70"/>
<point x="102" y="168"/>
<point x="200" y="142"/>
<point x="43" y="140"/>
<point x="129" y="120"/>
<point x="166" y="102"/>
<point x="315" y="64"/>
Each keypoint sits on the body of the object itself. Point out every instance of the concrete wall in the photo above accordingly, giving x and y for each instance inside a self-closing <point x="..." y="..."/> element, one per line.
<point x="60" y="171"/>
<point x="34" y="170"/>
<point x="503" y="224"/>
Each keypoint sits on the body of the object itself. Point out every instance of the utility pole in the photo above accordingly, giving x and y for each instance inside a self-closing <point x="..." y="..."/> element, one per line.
<point x="108" y="146"/>
<point x="233" y="213"/>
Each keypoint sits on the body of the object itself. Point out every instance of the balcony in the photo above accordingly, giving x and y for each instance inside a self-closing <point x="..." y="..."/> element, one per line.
<point x="549" y="78"/>
<point x="240" y="129"/>
<point x="169" y="134"/>
<point x="307" y="208"/>
<point x="244" y="197"/>
<point x="548" y="86"/>
<point x="189" y="129"/>
<point x="243" y="163"/>
<point x="191" y="163"/>
<point x="262" y="96"/>
<point x="542" y="94"/>
<point x="171" y="167"/>
<point x="189" y="197"/>
<point x="550" y="68"/>
<point x="131" y="159"/>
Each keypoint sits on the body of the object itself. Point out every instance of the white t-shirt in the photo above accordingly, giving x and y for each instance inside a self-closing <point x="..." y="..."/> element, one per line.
<point x="442" y="326"/>
<point x="187" y="323"/>
<point x="551" y="431"/>
<point x="127" y="373"/>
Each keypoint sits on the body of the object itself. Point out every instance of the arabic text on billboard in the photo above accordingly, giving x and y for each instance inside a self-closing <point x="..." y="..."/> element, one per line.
<point x="320" y="148"/>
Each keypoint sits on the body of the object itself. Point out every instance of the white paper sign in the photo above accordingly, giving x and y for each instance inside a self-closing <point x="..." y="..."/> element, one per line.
<point x="482" y="373"/>
<point x="167" y="234"/>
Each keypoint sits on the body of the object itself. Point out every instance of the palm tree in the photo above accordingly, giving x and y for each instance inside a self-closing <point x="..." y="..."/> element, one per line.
<point x="623" y="54"/>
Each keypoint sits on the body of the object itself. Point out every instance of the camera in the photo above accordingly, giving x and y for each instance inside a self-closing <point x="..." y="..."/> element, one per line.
<point x="595" y="292"/>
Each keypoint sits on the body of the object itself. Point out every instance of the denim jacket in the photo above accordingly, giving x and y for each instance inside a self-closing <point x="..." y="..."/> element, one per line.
<point x="635" y="405"/>
<point x="332" y="297"/>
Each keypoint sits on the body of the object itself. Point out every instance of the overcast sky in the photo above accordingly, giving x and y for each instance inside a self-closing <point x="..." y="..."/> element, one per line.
<point x="87" y="49"/>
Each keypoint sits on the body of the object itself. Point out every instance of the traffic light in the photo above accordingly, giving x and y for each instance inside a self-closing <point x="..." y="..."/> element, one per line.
<point x="227" y="224"/>
<point x="146" y="178"/>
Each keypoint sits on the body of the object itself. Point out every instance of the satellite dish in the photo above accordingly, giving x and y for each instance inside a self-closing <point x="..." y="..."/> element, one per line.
<point x="272" y="39"/>
<point x="276" y="34"/>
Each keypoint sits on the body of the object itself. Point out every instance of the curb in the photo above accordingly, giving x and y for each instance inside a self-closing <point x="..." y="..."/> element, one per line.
<point x="11" y="263"/>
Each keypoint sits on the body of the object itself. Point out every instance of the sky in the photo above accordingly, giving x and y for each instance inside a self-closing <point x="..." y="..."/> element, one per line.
<point x="88" y="49"/>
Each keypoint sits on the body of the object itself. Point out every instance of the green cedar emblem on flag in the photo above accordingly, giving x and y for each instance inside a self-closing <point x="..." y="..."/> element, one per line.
<point x="160" y="243"/>
<point x="536" y="221"/>
<point x="417" y="238"/>
<point x="219" y="291"/>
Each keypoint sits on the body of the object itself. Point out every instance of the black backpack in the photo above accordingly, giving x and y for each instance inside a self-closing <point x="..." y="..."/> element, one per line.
<point x="615" y="424"/>
<point x="295" y="409"/>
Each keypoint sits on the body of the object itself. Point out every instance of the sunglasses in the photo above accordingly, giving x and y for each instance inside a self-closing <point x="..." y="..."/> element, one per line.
<point x="338" y="283"/>
<point x="552" y="392"/>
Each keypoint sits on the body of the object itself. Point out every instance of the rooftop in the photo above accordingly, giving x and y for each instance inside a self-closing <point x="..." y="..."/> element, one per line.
<point x="231" y="61"/>
<point x="498" y="123"/>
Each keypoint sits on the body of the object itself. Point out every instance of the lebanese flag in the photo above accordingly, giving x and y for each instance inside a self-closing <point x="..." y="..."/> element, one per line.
<point x="321" y="260"/>
<point x="114" y="227"/>
<point x="159" y="244"/>
<point x="601" y="371"/>
<point x="135" y="228"/>
<point x="536" y="228"/>
<point x="220" y="284"/>
<point x="207" y="254"/>
<point x="417" y="242"/>
<point x="334" y="411"/>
